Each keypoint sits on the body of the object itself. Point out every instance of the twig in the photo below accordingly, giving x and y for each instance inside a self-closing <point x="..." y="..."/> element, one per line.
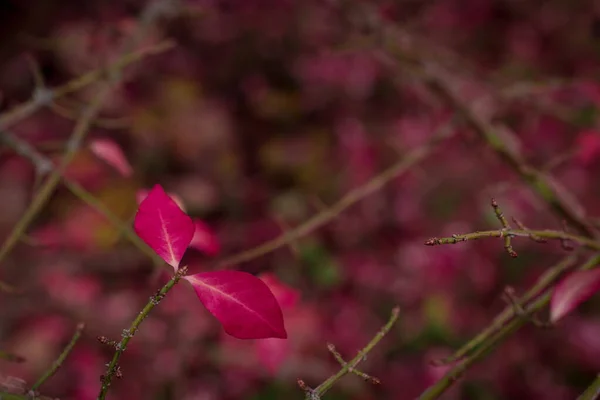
<point x="113" y="368"/>
<point x="106" y="123"/>
<point x="511" y="298"/>
<point x="537" y="180"/>
<point x="59" y="361"/>
<point x="532" y="237"/>
<point x="505" y="227"/>
<point x="388" y="42"/>
<point x="487" y="344"/>
<point x="351" y="198"/>
<point x="546" y="280"/>
<point x="319" y="391"/>
<point x="338" y="357"/>
<point x="44" y="193"/>
<point x="13" y="396"/>
<point x="29" y="107"/>
<point x="43" y="164"/>
<point x="501" y="233"/>
<point x="592" y="392"/>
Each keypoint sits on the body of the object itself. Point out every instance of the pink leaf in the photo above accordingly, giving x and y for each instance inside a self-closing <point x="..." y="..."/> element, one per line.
<point x="286" y="296"/>
<point x="588" y="146"/>
<point x="109" y="152"/>
<point x="572" y="291"/>
<point x="272" y="353"/>
<point x="205" y="239"/>
<point x="164" y="226"/>
<point x="241" y="302"/>
<point x="143" y="193"/>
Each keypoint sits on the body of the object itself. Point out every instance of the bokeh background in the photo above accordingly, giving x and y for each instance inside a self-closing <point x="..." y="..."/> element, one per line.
<point x="265" y="113"/>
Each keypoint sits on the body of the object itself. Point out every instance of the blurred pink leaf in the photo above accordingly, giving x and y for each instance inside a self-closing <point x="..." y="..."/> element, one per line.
<point x="241" y="302"/>
<point x="272" y="353"/>
<point x="205" y="239"/>
<point x="164" y="226"/>
<point x="572" y="291"/>
<point x="143" y="193"/>
<point x="286" y="296"/>
<point x="588" y="146"/>
<point x="111" y="153"/>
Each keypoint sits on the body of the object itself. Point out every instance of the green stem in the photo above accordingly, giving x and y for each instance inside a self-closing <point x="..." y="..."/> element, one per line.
<point x="44" y="193"/>
<point x="113" y="368"/>
<point x="502" y="233"/>
<point x="487" y="345"/>
<point x="351" y="198"/>
<point x="13" y="396"/>
<point x="548" y="278"/>
<point x="60" y="360"/>
<point x="592" y="392"/>
<point x="27" y="109"/>
<point x="41" y="163"/>
<point x="325" y="386"/>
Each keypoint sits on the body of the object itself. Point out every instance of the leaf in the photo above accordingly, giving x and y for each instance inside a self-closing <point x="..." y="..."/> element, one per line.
<point x="272" y="353"/>
<point x="572" y="291"/>
<point x="164" y="226"/>
<point x="205" y="239"/>
<point x="143" y="193"/>
<point x="109" y="152"/>
<point x="241" y="302"/>
<point x="286" y="296"/>
<point x="588" y="146"/>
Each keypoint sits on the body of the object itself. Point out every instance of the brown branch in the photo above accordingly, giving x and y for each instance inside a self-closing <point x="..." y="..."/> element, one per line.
<point x="349" y="367"/>
<point x="503" y="233"/>
<point x="351" y="198"/>
<point x="43" y="194"/>
<point x="44" y="97"/>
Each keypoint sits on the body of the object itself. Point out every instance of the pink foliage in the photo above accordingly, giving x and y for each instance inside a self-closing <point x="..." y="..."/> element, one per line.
<point x="241" y="302"/>
<point x="204" y="239"/>
<point x="588" y="146"/>
<point x="573" y="290"/>
<point x="164" y="226"/>
<point x="111" y="153"/>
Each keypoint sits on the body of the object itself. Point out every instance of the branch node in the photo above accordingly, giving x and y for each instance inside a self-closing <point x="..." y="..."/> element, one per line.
<point x="510" y="297"/>
<point x="499" y="214"/>
<point x="533" y="237"/>
<point x="43" y="96"/>
<point x="351" y="368"/>
<point x="566" y="243"/>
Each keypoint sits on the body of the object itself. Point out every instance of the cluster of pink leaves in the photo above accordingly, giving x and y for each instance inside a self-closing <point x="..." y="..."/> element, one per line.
<point x="243" y="303"/>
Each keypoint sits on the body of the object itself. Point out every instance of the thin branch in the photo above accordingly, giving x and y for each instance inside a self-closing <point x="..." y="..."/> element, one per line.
<point x="106" y="123"/>
<point x="113" y="369"/>
<point x="44" y="193"/>
<point x="538" y="181"/>
<point x="528" y="233"/>
<point x="338" y="357"/>
<point x="545" y="281"/>
<point x="28" y="108"/>
<point x="59" y="361"/>
<point x="351" y="198"/>
<point x="592" y="392"/>
<point x="393" y="48"/>
<point x="319" y="391"/>
<point x="45" y="164"/>
<point x="495" y="337"/>
<point x="13" y="396"/>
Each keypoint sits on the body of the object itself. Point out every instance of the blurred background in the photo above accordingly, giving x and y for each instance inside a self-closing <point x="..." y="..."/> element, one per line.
<point x="264" y="114"/>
